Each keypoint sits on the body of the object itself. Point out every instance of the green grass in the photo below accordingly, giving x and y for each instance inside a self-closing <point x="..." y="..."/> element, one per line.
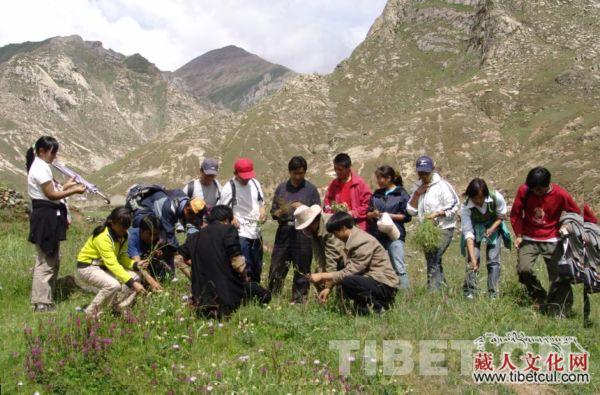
<point x="161" y="347"/>
<point x="443" y="4"/>
<point x="138" y="63"/>
<point x="10" y="50"/>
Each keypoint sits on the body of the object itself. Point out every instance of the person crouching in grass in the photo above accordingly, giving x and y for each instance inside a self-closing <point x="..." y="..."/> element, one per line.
<point x="220" y="283"/>
<point x="368" y="279"/>
<point x="103" y="262"/>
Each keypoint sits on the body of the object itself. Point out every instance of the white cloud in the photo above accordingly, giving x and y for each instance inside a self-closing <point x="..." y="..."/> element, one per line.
<point x="305" y="35"/>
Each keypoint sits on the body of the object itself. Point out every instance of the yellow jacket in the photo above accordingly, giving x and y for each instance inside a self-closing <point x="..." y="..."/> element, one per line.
<point x="106" y="250"/>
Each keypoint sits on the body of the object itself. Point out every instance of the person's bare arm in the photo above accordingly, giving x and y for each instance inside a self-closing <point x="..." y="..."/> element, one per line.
<point x="489" y="231"/>
<point x="397" y="217"/>
<point x="52" y="194"/>
<point x="238" y="263"/>
<point x="262" y="214"/>
<point x="472" y="257"/>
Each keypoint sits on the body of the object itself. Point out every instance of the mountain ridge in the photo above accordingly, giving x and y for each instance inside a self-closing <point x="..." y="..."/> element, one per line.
<point x="488" y="88"/>
<point x="97" y="102"/>
<point x="230" y="76"/>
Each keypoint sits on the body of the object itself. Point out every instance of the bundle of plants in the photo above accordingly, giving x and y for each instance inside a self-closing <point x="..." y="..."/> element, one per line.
<point x="427" y="236"/>
<point x="337" y="207"/>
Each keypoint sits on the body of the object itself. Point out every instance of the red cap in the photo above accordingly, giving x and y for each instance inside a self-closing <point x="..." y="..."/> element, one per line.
<point x="244" y="168"/>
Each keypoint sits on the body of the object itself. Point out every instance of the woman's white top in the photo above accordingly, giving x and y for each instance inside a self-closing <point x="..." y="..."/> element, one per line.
<point x="39" y="173"/>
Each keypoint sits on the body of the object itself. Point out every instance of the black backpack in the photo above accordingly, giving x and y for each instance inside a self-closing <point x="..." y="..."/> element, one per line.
<point x="138" y="192"/>
<point x="233" y="200"/>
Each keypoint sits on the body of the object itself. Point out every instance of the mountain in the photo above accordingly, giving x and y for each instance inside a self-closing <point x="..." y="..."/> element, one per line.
<point x="230" y="77"/>
<point x="100" y="104"/>
<point x="488" y="88"/>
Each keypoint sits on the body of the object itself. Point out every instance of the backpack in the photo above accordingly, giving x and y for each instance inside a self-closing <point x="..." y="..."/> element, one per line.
<point x="233" y="200"/>
<point x="138" y="192"/>
<point x="191" y="186"/>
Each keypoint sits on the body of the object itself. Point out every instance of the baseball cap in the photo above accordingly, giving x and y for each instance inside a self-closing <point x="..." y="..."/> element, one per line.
<point x="425" y="164"/>
<point x="244" y="168"/>
<point x="210" y="166"/>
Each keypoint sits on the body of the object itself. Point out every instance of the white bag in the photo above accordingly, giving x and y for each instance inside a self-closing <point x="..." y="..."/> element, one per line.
<point x="387" y="226"/>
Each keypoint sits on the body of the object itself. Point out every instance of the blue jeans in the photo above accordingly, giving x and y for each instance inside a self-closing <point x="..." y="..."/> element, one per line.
<point x="253" y="253"/>
<point x="396" y="251"/>
<point x="191" y="229"/>
<point x="493" y="269"/>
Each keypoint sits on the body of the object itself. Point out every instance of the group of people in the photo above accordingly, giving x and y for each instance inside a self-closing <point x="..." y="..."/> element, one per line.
<point x="356" y="236"/>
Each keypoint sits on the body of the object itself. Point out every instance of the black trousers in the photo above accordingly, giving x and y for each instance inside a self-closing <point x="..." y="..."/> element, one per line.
<point x="292" y="247"/>
<point x="252" y="292"/>
<point x="365" y="292"/>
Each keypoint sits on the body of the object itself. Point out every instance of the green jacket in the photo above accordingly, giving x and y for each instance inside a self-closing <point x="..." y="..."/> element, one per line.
<point x="106" y="250"/>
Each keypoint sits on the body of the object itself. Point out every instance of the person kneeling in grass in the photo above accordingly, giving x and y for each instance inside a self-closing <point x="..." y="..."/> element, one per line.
<point x="103" y="263"/>
<point x="220" y="283"/>
<point x="368" y="277"/>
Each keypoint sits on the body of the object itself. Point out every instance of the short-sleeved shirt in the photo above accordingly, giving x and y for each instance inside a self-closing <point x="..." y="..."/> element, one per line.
<point x="247" y="207"/>
<point x="209" y="193"/>
<point x="39" y="173"/>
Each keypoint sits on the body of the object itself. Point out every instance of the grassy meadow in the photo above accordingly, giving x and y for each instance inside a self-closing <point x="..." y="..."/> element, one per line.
<point x="160" y="347"/>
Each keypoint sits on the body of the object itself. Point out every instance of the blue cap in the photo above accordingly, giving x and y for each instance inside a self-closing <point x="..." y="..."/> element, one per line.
<point x="425" y="164"/>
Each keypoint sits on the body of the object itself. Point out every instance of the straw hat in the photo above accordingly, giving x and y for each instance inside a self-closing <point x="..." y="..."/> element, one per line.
<point x="304" y="216"/>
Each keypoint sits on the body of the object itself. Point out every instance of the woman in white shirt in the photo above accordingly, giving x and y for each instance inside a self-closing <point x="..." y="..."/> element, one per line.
<point x="434" y="198"/>
<point x="48" y="220"/>
<point x="482" y="221"/>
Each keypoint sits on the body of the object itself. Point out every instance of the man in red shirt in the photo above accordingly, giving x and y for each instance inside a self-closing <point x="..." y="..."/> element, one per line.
<point x="349" y="189"/>
<point x="535" y="218"/>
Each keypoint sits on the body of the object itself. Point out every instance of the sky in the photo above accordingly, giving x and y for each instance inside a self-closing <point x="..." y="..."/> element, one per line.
<point x="304" y="35"/>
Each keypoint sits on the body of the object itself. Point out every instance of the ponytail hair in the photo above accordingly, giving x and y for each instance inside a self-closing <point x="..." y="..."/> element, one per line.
<point x="47" y="143"/>
<point x="120" y="215"/>
<point x="389" y="172"/>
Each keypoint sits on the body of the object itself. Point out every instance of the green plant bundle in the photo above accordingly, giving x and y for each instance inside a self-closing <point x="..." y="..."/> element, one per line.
<point x="337" y="207"/>
<point x="427" y="236"/>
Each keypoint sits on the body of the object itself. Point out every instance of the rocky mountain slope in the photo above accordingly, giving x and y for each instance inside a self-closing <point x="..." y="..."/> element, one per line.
<point x="488" y="88"/>
<point x="100" y="104"/>
<point x="230" y="77"/>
